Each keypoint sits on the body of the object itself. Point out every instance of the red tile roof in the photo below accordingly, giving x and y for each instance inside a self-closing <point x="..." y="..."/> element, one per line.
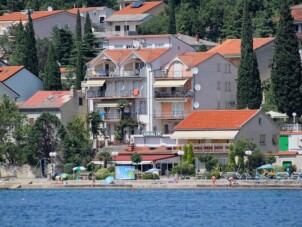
<point x="117" y="55"/>
<point x="83" y="10"/>
<point x="66" y="70"/>
<point x="23" y="17"/>
<point x="286" y="153"/>
<point x="149" y="55"/>
<point x="143" y="9"/>
<point x="233" y="46"/>
<point x="194" y="58"/>
<point x="46" y="99"/>
<point x="8" y="71"/>
<point x="216" y="119"/>
<point x="290" y="133"/>
<point x="297" y="14"/>
<point x="145" y="157"/>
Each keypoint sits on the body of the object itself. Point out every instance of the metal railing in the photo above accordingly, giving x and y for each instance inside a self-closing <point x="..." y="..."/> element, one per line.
<point x="291" y="127"/>
<point x="107" y="74"/>
<point x="117" y="116"/>
<point x="171" y="115"/>
<point x="113" y="94"/>
<point x="209" y="148"/>
<point x="174" y="94"/>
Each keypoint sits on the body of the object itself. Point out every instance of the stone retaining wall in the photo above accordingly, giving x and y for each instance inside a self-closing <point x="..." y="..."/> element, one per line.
<point x="25" y="171"/>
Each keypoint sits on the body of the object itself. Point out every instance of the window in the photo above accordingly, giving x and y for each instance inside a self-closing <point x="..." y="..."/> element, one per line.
<point x="218" y="67"/>
<point x="118" y="46"/>
<point x="227" y="68"/>
<point x="80" y="101"/>
<point x="142" y="107"/>
<point x="259" y="121"/>
<point x="270" y="63"/>
<point x="160" y="45"/>
<point x="275" y="139"/>
<point x="262" y="139"/>
<point x="227" y="86"/>
<point x="147" y="45"/>
<point x="102" y="20"/>
<point x="117" y="28"/>
<point x="126" y="27"/>
<point x="218" y="85"/>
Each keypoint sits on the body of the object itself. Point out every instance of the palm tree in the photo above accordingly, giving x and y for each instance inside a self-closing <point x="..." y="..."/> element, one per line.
<point x="105" y="157"/>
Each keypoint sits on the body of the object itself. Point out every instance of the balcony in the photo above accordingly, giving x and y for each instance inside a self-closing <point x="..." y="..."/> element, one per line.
<point x="171" y="115"/>
<point x="114" y="94"/>
<point x="115" y="73"/>
<point x="171" y="74"/>
<point x="291" y="127"/>
<point x="209" y="148"/>
<point x="174" y="94"/>
<point x="116" y="117"/>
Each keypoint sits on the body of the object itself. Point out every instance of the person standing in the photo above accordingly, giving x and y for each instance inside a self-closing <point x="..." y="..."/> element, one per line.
<point x="213" y="181"/>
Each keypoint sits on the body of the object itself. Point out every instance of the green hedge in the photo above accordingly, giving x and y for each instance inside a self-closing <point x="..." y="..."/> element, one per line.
<point x="68" y="168"/>
<point x="150" y="176"/>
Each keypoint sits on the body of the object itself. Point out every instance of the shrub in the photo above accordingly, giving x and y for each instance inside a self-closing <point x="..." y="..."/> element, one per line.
<point x="176" y="169"/>
<point x="104" y="176"/>
<point x="68" y="168"/>
<point x="216" y="174"/>
<point x="111" y="169"/>
<point x="150" y="176"/>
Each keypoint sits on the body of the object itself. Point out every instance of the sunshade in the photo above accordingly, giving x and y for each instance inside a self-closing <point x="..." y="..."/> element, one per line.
<point x="153" y="170"/>
<point x="109" y="180"/>
<point x="79" y="168"/>
<point x="266" y="166"/>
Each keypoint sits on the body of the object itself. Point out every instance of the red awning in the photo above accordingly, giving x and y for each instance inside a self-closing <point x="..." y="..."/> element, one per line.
<point x="152" y="158"/>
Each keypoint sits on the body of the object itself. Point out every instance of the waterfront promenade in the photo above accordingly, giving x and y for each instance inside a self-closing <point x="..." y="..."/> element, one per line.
<point x="163" y="183"/>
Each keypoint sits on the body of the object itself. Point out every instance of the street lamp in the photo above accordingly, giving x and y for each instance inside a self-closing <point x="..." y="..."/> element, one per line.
<point x="248" y="153"/>
<point x="52" y="155"/>
<point x="294" y="120"/>
<point x="180" y="153"/>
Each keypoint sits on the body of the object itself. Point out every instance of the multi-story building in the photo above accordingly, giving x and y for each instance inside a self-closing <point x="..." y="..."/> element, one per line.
<point x="126" y="21"/>
<point x="126" y="70"/>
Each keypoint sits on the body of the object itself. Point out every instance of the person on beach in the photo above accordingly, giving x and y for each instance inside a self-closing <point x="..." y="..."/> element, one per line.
<point x="230" y="179"/>
<point x="213" y="181"/>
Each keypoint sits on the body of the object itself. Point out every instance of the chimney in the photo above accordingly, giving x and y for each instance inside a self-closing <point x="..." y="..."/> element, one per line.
<point x="197" y="37"/>
<point x="73" y="91"/>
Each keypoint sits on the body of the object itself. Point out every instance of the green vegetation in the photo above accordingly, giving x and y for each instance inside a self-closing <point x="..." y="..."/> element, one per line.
<point x="249" y="94"/>
<point x="172" y="22"/>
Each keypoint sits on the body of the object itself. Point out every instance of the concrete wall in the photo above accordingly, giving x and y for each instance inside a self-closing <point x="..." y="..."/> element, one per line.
<point x="213" y="93"/>
<point x="5" y="90"/>
<point x="25" y="84"/>
<point x="265" y="58"/>
<point x="43" y="27"/>
<point x="259" y="125"/>
<point x="157" y="10"/>
<point x="296" y="160"/>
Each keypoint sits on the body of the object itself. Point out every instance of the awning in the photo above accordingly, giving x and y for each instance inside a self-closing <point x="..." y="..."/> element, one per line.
<point x="204" y="135"/>
<point x="170" y="83"/>
<point x="112" y="104"/>
<point x="94" y="83"/>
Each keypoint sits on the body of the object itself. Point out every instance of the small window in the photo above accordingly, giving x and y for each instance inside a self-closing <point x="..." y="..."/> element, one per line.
<point x="259" y="121"/>
<point x="218" y="67"/>
<point x="102" y="20"/>
<point x="80" y="101"/>
<point x="262" y="139"/>
<point x="227" y="86"/>
<point x="117" y="28"/>
<point x="126" y="27"/>
<point x="143" y="107"/>
<point x="227" y="68"/>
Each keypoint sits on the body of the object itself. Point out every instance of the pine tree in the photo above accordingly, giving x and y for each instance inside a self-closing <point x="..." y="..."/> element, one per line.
<point x="31" y="60"/>
<point x="249" y="94"/>
<point x="63" y="44"/>
<point x="18" y="56"/>
<point x="172" y="21"/>
<point x="89" y="51"/>
<point x="80" y="67"/>
<point x="52" y="75"/>
<point x="286" y="71"/>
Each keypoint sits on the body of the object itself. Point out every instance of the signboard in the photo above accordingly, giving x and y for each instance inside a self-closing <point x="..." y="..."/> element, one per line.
<point x="125" y="172"/>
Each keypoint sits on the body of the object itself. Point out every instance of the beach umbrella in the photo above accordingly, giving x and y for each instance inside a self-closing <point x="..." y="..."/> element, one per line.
<point x="153" y="170"/>
<point x="266" y="166"/>
<point x="109" y="180"/>
<point x="79" y="168"/>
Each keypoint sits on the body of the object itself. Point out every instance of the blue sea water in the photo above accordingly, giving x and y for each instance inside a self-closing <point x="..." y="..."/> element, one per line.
<point x="150" y="208"/>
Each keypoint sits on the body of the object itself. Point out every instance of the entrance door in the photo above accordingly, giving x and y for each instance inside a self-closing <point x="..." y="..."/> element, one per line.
<point x="178" y="109"/>
<point x="177" y="70"/>
<point x="283" y="143"/>
<point x="107" y="69"/>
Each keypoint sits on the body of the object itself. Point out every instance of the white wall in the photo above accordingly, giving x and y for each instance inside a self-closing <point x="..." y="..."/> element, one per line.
<point x="25" y="84"/>
<point x="264" y="58"/>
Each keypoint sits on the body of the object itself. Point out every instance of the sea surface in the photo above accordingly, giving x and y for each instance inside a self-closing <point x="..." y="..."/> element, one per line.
<point x="150" y="207"/>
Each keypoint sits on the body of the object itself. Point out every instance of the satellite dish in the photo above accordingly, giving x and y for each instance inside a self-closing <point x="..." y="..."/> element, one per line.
<point x="197" y="87"/>
<point x="49" y="8"/>
<point x="194" y="70"/>
<point x="196" y="105"/>
<point x="135" y="44"/>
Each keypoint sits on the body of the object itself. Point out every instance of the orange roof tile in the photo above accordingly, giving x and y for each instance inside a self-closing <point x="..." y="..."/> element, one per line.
<point x="23" y="17"/>
<point x="117" y="55"/>
<point x="233" y="46"/>
<point x="149" y="55"/>
<point x="216" y="119"/>
<point x="297" y="14"/>
<point x="143" y="9"/>
<point x="83" y="10"/>
<point x="46" y="99"/>
<point x="192" y="59"/>
<point x="66" y="70"/>
<point x="8" y="71"/>
<point x="286" y="153"/>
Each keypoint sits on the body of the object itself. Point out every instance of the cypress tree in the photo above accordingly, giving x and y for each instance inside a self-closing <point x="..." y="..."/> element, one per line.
<point x="18" y="56"/>
<point x="52" y="75"/>
<point x="172" y="21"/>
<point x="63" y="44"/>
<point x="31" y="60"/>
<point x="78" y="29"/>
<point x="88" y="41"/>
<point x="249" y="94"/>
<point x="80" y="67"/>
<point x="286" y="71"/>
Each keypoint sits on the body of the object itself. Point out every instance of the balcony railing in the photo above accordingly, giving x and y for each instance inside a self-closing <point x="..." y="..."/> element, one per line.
<point x="171" y="115"/>
<point x="117" y="116"/>
<point x="114" y="94"/>
<point x="164" y="74"/>
<point x="152" y="133"/>
<point x="208" y="148"/>
<point x="291" y="127"/>
<point x="174" y="94"/>
<point x="112" y="74"/>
